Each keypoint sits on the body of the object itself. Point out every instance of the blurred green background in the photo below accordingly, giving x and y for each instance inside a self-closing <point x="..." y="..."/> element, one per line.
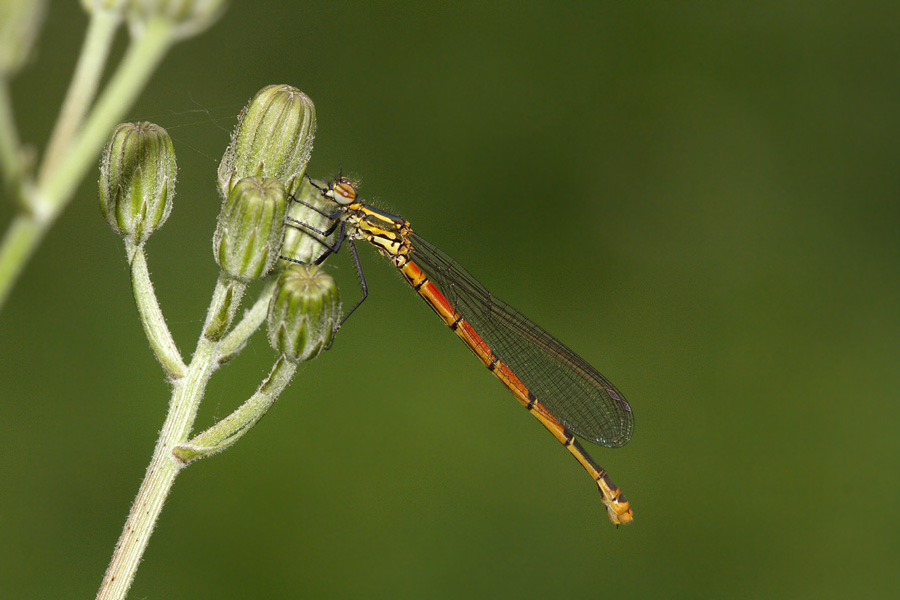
<point x="699" y="198"/>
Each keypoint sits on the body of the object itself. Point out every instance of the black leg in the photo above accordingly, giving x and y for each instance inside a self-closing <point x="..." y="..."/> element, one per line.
<point x="296" y="224"/>
<point x="329" y="249"/>
<point x="362" y="282"/>
<point x="312" y="183"/>
<point x="332" y="215"/>
<point x="365" y="291"/>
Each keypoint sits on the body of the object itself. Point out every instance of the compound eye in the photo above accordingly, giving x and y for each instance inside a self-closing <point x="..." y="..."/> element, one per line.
<point x="343" y="192"/>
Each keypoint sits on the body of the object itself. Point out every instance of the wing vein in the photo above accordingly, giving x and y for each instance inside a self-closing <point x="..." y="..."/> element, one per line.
<point x="583" y="400"/>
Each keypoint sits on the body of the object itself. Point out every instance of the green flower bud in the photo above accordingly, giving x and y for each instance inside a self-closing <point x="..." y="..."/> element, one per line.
<point x="298" y="244"/>
<point x="187" y="17"/>
<point x="273" y="138"/>
<point x="304" y="312"/>
<point x="250" y="228"/>
<point x="137" y="179"/>
<point x="20" y="22"/>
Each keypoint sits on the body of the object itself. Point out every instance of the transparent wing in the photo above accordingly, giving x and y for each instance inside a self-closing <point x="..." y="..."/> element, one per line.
<point x="574" y="392"/>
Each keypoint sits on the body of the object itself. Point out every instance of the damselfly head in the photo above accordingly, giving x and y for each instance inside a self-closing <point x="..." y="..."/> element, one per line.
<point x="343" y="191"/>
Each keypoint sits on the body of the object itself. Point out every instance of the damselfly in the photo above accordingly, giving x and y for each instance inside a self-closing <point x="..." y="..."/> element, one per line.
<point x="566" y="394"/>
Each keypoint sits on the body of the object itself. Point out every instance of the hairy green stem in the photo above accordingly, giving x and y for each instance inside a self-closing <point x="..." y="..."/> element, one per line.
<point x="234" y="342"/>
<point x="230" y="429"/>
<point x="226" y="300"/>
<point x="165" y="466"/>
<point x="160" y="475"/>
<point x="158" y="333"/>
<point x="83" y="88"/>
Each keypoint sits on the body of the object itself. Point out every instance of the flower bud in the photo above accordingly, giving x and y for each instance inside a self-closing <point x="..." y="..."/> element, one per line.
<point x="299" y="243"/>
<point x="20" y="22"/>
<point x="304" y="312"/>
<point x="250" y="228"/>
<point x="187" y="17"/>
<point x="137" y="179"/>
<point x="273" y="138"/>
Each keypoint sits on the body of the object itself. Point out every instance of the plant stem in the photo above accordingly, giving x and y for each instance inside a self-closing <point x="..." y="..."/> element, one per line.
<point x="233" y="427"/>
<point x="234" y="342"/>
<point x="160" y="475"/>
<point x="10" y="147"/>
<point x="21" y="237"/>
<point x="83" y="88"/>
<point x="155" y="328"/>
<point x="139" y="62"/>
<point x="164" y="466"/>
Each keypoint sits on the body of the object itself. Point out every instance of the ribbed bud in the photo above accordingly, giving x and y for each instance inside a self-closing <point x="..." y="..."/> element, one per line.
<point x="304" y="312"/>
<point x="20" y="22"/>
<point x="137" y="179"/>
<point x="250" y="228"/>
<point x="187" y="17"/>
<point x="273" y="138"/>
<point x="299" y="244"/>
